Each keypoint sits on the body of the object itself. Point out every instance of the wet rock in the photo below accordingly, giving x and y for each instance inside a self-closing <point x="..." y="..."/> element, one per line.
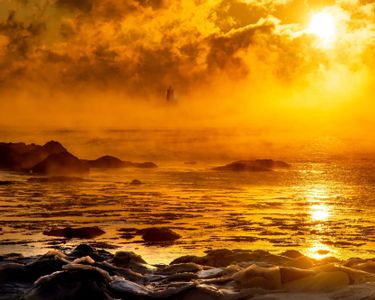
<point x="12" y="272"/>
<point x="130" y="260"/>
<point x="17" y="272"/>
<point x="63" y="163"/>
<point x="79" y="283"/>
<point x="135" y="182"/>
<point x="255" y="276"/>
<point x="180" y="268"/>
<point x="88" y="273"/>
<point x="225" y="257"/>
<point x="259" y="165"/>
<point x="320" y="282"/>
<point x="154" y="234"/>
<point x="69" y="232"/>
<point x="84" y="250"/>
<point x="290" y="274"/>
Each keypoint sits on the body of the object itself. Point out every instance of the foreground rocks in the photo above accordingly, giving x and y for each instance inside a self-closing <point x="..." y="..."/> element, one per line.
<point x="54" y="159"/>
<point x="258" y="165"/>
<point x="88" y="273"/>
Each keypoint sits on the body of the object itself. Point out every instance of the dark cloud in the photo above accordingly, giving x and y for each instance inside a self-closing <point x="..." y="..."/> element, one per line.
<point x="82" y="5"/>
<point x="22" y="36"/>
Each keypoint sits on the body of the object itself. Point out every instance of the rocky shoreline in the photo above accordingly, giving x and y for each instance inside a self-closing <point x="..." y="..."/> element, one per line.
<point x="53" y="158"/>
<point x="88" y="273"/>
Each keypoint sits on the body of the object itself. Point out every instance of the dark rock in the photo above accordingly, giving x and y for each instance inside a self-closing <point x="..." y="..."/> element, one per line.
<point x="15" y="272"/>
<point x="145" y="165"/>
<point x="87" y="273"/>
<point x="154" y="234"/>
<point x="63" y="163"/>
<point x="87" y="250"/>
<point x="259" y="165"/>
<point x="20" y="156"/>
<point x="6" y="182"/>
<point x="111" y="162"/>
<point x="82" y="250"/>
<point x="75" y="284"/>
<point x="106" y="162"/>
<point x="126" y="259"/>
<point x="82" y="233"/>
<point x="53" y="147"/>
<point x="136" y="182"/>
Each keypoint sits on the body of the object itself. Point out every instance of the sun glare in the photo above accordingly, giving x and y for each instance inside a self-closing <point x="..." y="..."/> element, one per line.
<point x="323" y="25"/>
<point x="319" y="212"/>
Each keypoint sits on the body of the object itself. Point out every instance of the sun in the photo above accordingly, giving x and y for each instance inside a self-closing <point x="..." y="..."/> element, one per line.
<point x="323" y="25"/>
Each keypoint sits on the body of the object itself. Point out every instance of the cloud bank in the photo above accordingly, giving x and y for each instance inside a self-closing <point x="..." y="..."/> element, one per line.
<point x="234" y="60"/>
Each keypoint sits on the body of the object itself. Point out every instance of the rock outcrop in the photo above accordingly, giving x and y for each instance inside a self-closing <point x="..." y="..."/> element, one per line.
<point x="258" y="165"/>
<point x="21" y="157"/>
<point x="63" y="163"/>
<point x="111" y="162"/>
<point x="54" y="159"/>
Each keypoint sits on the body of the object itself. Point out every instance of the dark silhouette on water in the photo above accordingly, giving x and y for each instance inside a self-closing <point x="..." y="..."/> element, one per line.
<point x="170" y="94"/>
<point x="54" y="159"/>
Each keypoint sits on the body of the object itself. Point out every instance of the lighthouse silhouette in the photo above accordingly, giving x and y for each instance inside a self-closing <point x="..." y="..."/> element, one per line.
<point x="170" y="94"/>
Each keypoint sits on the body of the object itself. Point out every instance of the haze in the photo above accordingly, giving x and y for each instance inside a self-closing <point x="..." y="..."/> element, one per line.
<point x="232" y="64"/>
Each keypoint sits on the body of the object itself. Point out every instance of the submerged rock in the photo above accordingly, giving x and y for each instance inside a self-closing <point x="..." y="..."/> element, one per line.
<point x="258" y="165"/>
<point x="6" y="182"/>
<point x="63" y="163"/>
<point x="54" y="179"/>
<point x="154" y="234"/>
<point x="69" y="232"/>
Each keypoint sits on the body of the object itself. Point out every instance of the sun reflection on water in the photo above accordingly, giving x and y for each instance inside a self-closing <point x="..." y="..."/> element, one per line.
<point x="319" y="250"/>
<point x="318" y="209"/>
<point x="319" y="212"/>
<point x="316" y="193"/>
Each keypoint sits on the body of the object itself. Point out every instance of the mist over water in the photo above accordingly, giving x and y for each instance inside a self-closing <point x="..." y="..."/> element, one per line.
<point x="323" y="205"/>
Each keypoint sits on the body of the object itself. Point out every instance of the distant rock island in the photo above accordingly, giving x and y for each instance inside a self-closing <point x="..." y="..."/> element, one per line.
<point x="110" y="162"/>
<point x="54" y="159"/>
<point x="258" y="165"/>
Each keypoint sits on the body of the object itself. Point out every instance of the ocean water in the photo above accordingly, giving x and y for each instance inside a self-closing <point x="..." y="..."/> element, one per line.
<point x="320" y="206"/>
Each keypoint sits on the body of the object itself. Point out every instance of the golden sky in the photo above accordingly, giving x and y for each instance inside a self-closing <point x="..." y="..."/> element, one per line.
<point x="235" y="61"/>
